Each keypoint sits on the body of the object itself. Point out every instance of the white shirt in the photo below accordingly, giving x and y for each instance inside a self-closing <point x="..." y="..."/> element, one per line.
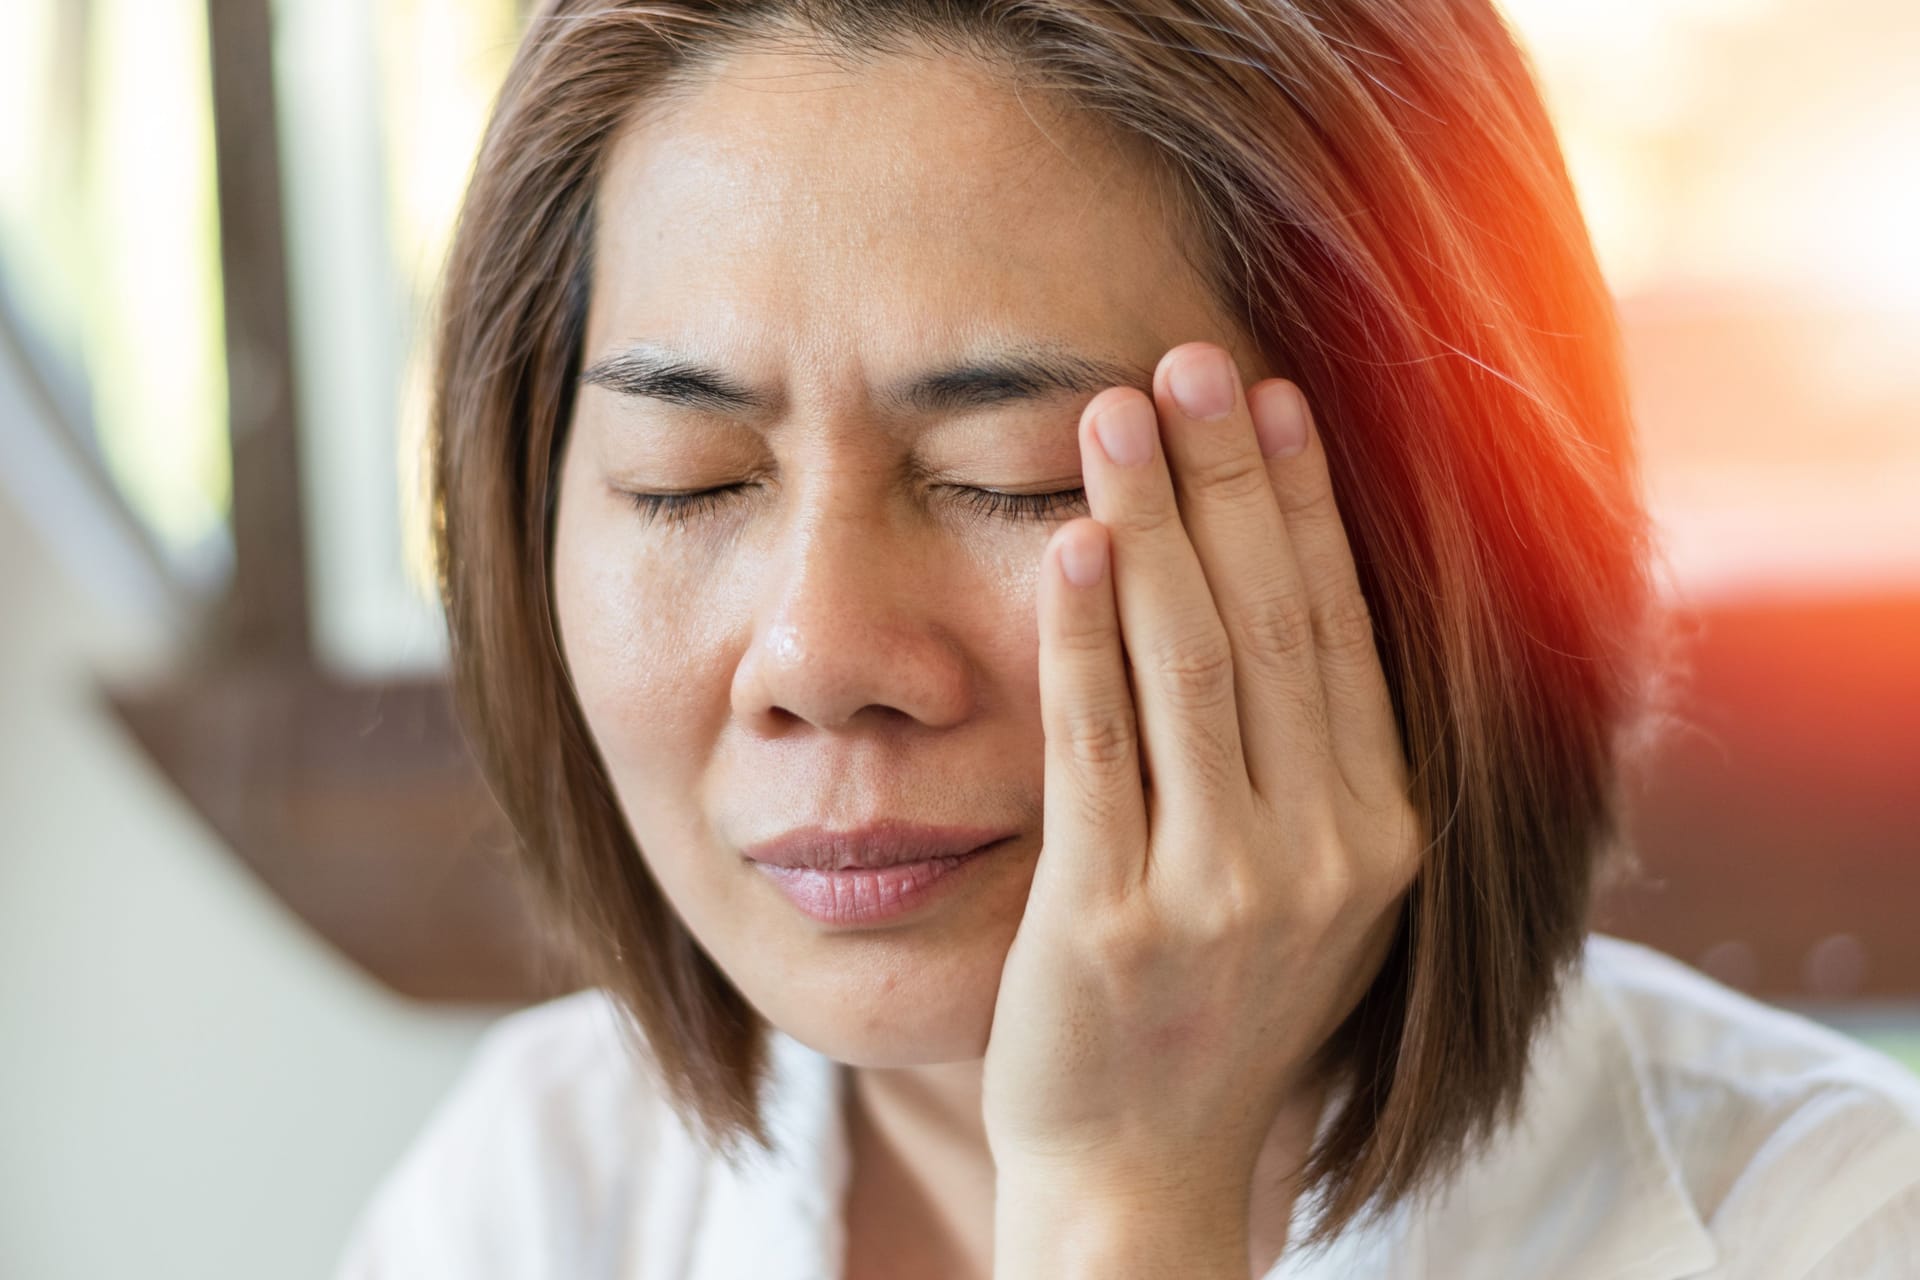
<point x="1671" y="1127"/>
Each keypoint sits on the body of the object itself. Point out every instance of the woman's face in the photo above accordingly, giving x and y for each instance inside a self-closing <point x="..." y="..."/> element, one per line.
<point x="851" y="634"/>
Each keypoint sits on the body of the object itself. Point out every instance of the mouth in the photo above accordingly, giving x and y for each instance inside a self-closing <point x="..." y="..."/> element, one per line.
<point x="855" y="895"/>
<point x="878" y="872"/>
<point x="871" y="846"/>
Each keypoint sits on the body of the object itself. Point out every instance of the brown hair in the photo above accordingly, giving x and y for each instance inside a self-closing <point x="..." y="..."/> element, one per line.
<point x="1381" y="197"/>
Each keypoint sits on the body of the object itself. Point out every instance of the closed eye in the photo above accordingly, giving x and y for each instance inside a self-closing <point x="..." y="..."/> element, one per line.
<point x="680" y="508"/>
<point x="677" y="508"/>
<point x="1022" y="506"/>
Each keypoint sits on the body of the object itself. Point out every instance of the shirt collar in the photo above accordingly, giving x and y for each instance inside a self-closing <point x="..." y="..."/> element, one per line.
<point x="778" y="1215"/>
<point x="1584" y="1187"/>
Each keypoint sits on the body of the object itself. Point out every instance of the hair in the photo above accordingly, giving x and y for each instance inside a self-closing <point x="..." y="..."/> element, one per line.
<point x="1378" y="193"/>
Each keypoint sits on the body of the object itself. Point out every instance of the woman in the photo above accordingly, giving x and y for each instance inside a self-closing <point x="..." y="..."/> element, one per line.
<point x="1159" y="847"/>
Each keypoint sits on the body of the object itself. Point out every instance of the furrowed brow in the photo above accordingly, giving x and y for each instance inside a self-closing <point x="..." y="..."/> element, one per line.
<point x="1002" y="374"/>
<point x="996" y="375"/>
<point x="656" y="373"/>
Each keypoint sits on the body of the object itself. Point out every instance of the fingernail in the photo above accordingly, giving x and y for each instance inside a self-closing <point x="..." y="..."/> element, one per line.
<point x="1202" y="383"/>
<point x="1279" y="420"/>
<point x="1126" y="431"/>
<point x="1083" y="559"/>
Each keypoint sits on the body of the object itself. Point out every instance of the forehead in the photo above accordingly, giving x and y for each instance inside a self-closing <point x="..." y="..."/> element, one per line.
<point x="780" y="196"/>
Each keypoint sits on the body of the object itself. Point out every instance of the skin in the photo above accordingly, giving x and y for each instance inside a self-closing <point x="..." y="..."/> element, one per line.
<point x="845" y="638"/>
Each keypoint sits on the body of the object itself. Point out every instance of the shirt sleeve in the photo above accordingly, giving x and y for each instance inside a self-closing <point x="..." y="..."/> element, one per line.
<point x="422" y="1219"/>
<point x="1884" y="1246"/>
<point x="1833" y="1192"/>
<point x="525" y="1168"/>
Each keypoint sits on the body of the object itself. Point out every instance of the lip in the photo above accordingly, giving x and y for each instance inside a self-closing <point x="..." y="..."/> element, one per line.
<point x="871" y="873"/>
<point x="884" y="843"/>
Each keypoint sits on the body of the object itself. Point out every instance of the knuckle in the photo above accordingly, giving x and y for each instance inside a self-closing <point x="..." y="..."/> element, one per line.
<point x="1196" y="672"/>
<point x="1347" y="629"/>
<point x="1120" y="945"/>
<point x="1325" y="891"/>
<point x="1078" y="634"/>
<point x="1306" y="503"/>
<point x="1100" y="739"/>
<point x="1151" y="517"/>
<point x="1239" y="901"/>
<point x="1278" y="626"/>
<point x="1238" y="475"/>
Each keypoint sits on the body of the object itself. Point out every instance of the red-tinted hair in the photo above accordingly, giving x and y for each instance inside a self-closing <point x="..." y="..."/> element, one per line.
<point x="1376" y="190"/>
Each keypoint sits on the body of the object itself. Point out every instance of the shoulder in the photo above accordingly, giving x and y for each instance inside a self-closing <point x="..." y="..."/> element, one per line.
<point x="541" y="1142"/>
<point x="1682" y="1018"/>
<point x="1672" y="1128"/>
<point x="1717" y="1062"/>
<point x="1791" y="1140"/>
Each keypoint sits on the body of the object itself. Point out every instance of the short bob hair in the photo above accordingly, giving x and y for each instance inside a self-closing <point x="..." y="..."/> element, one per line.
<point x="1375" y="187"/>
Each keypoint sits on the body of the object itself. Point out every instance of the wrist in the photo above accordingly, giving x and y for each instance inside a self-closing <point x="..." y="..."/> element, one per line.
<point x="1062" y="1225"/>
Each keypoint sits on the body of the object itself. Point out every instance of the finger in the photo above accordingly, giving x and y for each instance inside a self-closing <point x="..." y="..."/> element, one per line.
<point x="1182" y="662"/>
<point x="1227" y="502"/>
<point x="1366" y="738"/>
<point x="1093" y="846"/>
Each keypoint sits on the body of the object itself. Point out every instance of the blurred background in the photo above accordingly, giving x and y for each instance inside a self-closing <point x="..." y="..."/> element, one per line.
<point x="252" y="906"/>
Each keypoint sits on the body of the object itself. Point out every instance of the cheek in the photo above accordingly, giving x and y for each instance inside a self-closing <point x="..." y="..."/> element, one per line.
<point x="629" y="632"/>
<point x="1008" y="640"/>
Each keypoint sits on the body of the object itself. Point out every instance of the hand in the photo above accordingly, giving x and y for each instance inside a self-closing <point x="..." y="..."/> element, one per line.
<point x="1197" y="928"/>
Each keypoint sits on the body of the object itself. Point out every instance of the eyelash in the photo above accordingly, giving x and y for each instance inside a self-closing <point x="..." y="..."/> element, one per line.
<point x="678" y="508"/>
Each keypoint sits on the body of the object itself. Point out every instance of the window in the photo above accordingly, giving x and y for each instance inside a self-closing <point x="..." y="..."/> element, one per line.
<point x="1744" y="166"/>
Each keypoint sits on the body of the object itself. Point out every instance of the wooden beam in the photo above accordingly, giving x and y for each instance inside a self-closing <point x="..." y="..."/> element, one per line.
<point x="266" y="611"/>
<point x="360" y="808"/>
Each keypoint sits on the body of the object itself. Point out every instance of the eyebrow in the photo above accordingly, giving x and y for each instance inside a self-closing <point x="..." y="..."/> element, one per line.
<point x="996" y="375"/>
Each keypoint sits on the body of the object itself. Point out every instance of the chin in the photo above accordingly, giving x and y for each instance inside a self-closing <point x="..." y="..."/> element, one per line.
<point x="883" y="1006"/>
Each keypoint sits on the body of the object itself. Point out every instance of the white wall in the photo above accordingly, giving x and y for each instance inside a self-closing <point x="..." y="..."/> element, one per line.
<point x="191" y="1083"/>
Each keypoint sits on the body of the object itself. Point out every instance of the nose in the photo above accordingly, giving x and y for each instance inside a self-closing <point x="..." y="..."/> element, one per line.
<point x="853" y="620"/>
